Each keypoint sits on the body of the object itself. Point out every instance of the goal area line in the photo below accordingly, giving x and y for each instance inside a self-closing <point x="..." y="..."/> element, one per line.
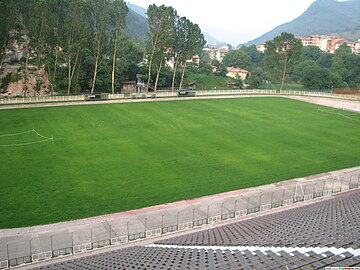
<point x="44" y="138"/>
<point x="339" y="113"/>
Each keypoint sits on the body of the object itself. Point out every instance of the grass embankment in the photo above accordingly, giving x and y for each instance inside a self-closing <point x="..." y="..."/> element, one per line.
<point x="111" y="158"/>
<point x="209" y="82"/>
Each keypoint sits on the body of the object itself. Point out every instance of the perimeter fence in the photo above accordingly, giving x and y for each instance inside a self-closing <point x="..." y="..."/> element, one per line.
<point x="162" y="94"/>
<point x="36" y="247"/>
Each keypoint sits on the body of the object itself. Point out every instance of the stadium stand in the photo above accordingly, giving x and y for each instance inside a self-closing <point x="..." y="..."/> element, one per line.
<point x="180" y="258"/>
<point x="330" y="223"/>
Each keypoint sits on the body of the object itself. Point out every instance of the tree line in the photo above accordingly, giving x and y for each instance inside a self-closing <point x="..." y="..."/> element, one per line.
<point x="286" y="60"/>
<point x="83" y="44"/>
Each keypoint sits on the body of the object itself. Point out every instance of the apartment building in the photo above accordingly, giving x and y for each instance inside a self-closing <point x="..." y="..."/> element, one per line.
<point x="326" y="43"/>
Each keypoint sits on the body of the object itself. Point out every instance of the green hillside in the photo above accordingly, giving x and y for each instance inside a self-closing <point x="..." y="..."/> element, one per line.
<point x="322" y="17"/>
<point x="137" y="26"/>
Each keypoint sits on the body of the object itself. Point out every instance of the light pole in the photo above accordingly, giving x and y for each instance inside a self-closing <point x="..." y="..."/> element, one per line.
<point x="221" y="211"/>
<point x="110" y="234"/>
<point x="72" y="242"/>
<point x="177" y="220"/>
<point x="207" y="214"/>
<point x="51" y="243"/>
<point x="138" y="84"/>
<point x="294" y="196"/>
<point x="341" y="183"/>
<point x="162" y="223"/>
<point x="314" y="190"/>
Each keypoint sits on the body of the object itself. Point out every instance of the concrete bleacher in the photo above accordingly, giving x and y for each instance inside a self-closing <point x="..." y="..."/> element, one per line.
<point x="180" y="258"/>
<point x="332" y="223"/>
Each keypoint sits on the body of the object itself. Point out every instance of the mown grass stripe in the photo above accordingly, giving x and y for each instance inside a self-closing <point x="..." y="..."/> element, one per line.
<point x="117" y="157"/>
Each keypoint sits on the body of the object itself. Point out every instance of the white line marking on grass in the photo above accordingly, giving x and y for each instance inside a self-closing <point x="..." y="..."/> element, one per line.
<point x="45" y="139"/>
<point x="338" y="113"/>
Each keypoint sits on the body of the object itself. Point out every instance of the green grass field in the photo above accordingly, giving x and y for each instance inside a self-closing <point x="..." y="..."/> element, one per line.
<point x="111" y="158"/>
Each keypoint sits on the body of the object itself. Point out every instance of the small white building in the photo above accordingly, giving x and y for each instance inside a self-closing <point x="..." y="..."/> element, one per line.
<point x="306" y="41"/>
<point x="216" y="54"/>
<point x="261" y="48"/>
<point x="237" y="73"/>
<point x="194" y="60"/>
<point x="357" y="47"/>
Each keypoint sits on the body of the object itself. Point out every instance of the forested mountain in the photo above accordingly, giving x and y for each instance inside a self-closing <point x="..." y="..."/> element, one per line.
<point x="139" y="10"/>
<point x="326" y="17"/>
<point x="137" y="25"/>
<point x="211" y="39"/>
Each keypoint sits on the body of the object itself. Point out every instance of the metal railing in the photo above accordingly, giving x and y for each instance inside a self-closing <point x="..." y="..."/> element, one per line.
<point x="196" y="217"/>
<point x="41" y="99"/>
<point x="45" y="99"/>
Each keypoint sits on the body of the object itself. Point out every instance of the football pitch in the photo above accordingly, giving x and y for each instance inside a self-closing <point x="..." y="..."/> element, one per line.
<point x="110" y="158"/>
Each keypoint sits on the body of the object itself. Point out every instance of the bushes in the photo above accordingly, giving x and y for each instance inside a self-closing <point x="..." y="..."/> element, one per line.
<point x="5" y="83"/>
<point x="209" y="82"/>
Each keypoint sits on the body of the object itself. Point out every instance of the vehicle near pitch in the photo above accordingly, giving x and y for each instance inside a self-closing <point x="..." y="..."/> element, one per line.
<point x="187" y="93"/>
<point x="93" y="97"/>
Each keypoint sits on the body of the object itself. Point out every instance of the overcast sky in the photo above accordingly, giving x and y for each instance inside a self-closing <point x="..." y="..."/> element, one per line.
<point x="235" y="21"/>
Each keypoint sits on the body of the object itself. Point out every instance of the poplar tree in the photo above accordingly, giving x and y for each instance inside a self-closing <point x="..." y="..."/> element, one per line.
<point x="194" y="42"/>
<point x="179" y="45"/>
<point x="98" y="12"/>
<point x="162" y="24"/>
<point x="281" y="53"/>
<point x="118" y="20"/>
<point x="75" y="37"/>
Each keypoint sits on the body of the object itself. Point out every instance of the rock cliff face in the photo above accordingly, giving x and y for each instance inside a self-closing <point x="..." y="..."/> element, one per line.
<point x="13" y="81"/>
<point x="17" y="78"/>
